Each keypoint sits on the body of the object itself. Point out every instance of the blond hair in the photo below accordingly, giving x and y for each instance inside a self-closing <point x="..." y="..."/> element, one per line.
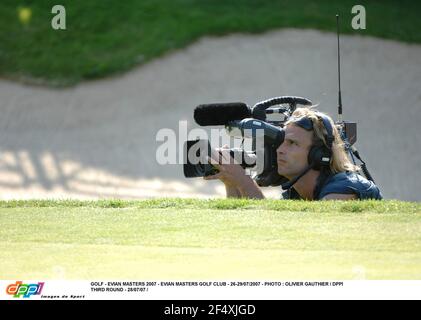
<point x="339" y="161"/>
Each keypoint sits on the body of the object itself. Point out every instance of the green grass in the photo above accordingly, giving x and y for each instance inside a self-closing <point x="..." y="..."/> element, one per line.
<point x="210" y="239"/>
<point x="109" y="37"/>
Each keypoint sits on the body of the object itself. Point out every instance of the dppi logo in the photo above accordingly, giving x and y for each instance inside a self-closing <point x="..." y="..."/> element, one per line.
<point x="18" y="289"/>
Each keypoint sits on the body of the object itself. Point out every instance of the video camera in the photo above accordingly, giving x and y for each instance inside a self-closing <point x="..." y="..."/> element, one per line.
<point x="240" y="121"/>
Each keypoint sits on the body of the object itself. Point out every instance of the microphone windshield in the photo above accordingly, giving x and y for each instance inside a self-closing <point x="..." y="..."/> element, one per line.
<point x="216" y="114"/>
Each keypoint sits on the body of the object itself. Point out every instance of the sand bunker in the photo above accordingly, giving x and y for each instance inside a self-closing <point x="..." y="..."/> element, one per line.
<point x="97" y="140"/>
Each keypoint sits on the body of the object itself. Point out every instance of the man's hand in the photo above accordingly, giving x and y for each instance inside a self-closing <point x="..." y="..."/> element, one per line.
<point x="237" y="183"/>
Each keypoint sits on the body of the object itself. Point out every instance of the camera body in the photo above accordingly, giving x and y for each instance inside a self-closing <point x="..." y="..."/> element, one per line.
<point x="266" y="138"/>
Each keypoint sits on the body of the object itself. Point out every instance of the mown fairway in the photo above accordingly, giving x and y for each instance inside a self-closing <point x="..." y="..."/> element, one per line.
<point x="218" y="239"/>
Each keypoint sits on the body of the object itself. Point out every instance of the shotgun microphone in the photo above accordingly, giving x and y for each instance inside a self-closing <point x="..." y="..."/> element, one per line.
<point x="216" y="114"/>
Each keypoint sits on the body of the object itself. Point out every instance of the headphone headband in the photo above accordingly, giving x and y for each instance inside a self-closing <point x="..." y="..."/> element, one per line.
<point x="307" y="124"/>
<point x="329" y="130"/>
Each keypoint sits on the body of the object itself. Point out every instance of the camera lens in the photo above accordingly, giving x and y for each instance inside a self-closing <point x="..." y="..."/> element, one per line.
<point x="200" y="169"/>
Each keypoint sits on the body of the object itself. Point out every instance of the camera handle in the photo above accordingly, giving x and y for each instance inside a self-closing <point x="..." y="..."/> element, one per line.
<point x="259" y="109"/>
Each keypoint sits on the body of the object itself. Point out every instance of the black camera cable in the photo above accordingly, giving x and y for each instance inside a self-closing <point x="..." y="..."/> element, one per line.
<point x="288" y="185"/>
<point x="363" y="164"/>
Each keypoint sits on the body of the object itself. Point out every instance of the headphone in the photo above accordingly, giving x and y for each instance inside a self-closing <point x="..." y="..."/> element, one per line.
<point x="319" y="156"/>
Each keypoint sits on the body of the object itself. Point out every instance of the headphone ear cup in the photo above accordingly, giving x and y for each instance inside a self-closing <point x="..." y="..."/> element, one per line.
<point x="319" y="157"/>
<point x="313" y="155"/>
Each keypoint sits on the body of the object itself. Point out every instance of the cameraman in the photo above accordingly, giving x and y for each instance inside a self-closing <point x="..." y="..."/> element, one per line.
<point x="306" y="132"/>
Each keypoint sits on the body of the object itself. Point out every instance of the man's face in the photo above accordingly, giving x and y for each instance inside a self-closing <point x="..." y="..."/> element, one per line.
<point x="292" y="154"/>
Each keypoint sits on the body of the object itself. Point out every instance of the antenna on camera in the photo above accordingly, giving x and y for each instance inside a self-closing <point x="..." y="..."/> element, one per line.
<point x="339" y="73"/>
<point x="350" y="128"/>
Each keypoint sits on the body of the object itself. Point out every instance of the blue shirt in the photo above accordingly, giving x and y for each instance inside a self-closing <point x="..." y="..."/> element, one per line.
<point x="345" y="183"/>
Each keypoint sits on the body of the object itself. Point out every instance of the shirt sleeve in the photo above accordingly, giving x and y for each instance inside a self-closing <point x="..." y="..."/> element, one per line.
<point x="351" y="183"/>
